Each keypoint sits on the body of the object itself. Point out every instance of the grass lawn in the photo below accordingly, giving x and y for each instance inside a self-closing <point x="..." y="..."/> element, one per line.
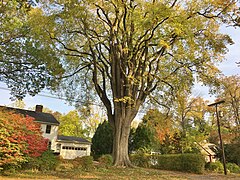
<point x="117" y="173"/>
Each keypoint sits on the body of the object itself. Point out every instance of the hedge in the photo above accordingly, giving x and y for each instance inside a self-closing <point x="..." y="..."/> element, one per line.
<point x="176" y="162"/>
<point x="182" y="162"/>
<point x="214" y="166"/>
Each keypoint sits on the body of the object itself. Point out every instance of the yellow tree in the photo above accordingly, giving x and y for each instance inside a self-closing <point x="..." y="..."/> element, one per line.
<point x="71" y="125"/>
<point x="129" y="49"/>
<point x="229" y="90"/>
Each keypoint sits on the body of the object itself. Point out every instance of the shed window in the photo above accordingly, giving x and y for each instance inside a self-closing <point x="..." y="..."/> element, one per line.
<point x="48" y="129"/>
<point x="74" y="148"/>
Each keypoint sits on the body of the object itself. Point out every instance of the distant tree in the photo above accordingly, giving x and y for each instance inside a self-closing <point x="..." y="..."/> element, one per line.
<point x="18" y="104"/>
<point x="57" y="114"/>
<point x="71" y="125"/>
<point x="229" y="90"/>
<point x="161" y="123"/>
<point x="177" y="128"/>
<point x="90" y="118"/>
<point x="189" y="116"/>
<point x="20" y="138"/>
<point x="142" y="138"/>
<point x="102" y="140"/>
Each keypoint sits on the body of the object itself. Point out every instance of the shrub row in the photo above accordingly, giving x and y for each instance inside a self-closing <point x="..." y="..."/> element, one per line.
<point x="218" y="167"/>
<point x="178" y="162"/>
<point x="182" y="162"/>
<point x="233" y="168"/>
<point x="214" y="166"/>
<point x="81" y="163"/>
<point x="46" y="162"/>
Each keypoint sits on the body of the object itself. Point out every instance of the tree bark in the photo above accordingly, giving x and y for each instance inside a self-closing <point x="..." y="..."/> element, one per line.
<point x="121" y="133"/>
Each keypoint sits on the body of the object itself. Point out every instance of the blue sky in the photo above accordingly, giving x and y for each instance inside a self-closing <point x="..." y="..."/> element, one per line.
<point x="228" y="67"/>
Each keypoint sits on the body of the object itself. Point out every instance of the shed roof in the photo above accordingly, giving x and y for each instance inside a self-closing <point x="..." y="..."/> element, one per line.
<point x="38" y="116"/>
<point x="72" y="139"/>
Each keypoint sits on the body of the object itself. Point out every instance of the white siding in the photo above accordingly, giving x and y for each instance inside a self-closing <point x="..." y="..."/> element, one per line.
<point x="57" y="146"/>
<point x="52" y="136"/>
<point x="74" y="150"/>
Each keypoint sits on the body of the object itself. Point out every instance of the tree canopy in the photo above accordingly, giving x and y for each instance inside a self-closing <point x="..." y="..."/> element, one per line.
<point x="27" y="65"/>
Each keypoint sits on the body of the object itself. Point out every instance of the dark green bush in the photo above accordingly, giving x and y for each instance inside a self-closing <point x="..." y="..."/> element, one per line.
<point x="84" y="163"/>
<point x="102" y="140"/>
<point x="181" y="162"/>
<point x="233" y="168"/>
<point x="215" y="166"/>
<point x="105" y="160"/>
<point x="47" y="161"/>
<point x="232" y="152"/>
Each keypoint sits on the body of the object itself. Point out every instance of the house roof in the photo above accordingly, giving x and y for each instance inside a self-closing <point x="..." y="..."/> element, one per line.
<point x="38" y="116"/>
<point x="207" y="148"/>
<point x="72" y="139"/>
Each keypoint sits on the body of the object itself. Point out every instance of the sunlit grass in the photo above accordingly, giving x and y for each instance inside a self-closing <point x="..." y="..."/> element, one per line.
<point x="114" y="173"/>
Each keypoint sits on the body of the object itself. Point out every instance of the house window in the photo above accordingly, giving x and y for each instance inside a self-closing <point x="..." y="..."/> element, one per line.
<point x="48" y="129"/>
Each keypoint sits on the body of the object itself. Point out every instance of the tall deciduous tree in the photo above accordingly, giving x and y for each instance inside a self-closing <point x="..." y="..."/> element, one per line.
<point x="130" y="49"/>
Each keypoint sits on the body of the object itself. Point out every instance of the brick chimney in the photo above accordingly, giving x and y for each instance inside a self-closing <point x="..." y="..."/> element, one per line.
<point x="39" y="108"/>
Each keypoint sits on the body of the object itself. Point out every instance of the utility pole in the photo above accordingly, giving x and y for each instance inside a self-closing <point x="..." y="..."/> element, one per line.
<point x="219" y="133"/>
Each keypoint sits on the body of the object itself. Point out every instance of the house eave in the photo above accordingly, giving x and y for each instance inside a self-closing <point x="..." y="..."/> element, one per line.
<point x="43" y="122"/>
<point x="77" y="142"/>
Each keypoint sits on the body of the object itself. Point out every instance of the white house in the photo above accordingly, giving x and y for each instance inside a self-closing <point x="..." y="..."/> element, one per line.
<point x="68" y="147"/>
<point x="208" y="150"/>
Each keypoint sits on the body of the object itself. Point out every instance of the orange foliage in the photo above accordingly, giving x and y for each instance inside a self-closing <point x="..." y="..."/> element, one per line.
<point x="19" y="137"/>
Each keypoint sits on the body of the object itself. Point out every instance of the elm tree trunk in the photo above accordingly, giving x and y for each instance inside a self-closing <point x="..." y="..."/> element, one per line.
<point x="121" y="131"/>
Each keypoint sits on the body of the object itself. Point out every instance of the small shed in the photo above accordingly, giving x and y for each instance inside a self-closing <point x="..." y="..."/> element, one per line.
<point x="70" y="147"/>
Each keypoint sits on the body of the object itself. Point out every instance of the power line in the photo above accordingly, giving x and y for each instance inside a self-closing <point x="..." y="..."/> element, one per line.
<point x="65" y="99"/>
<point x="53" y="97"/>
<point x="59" y="98"/>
